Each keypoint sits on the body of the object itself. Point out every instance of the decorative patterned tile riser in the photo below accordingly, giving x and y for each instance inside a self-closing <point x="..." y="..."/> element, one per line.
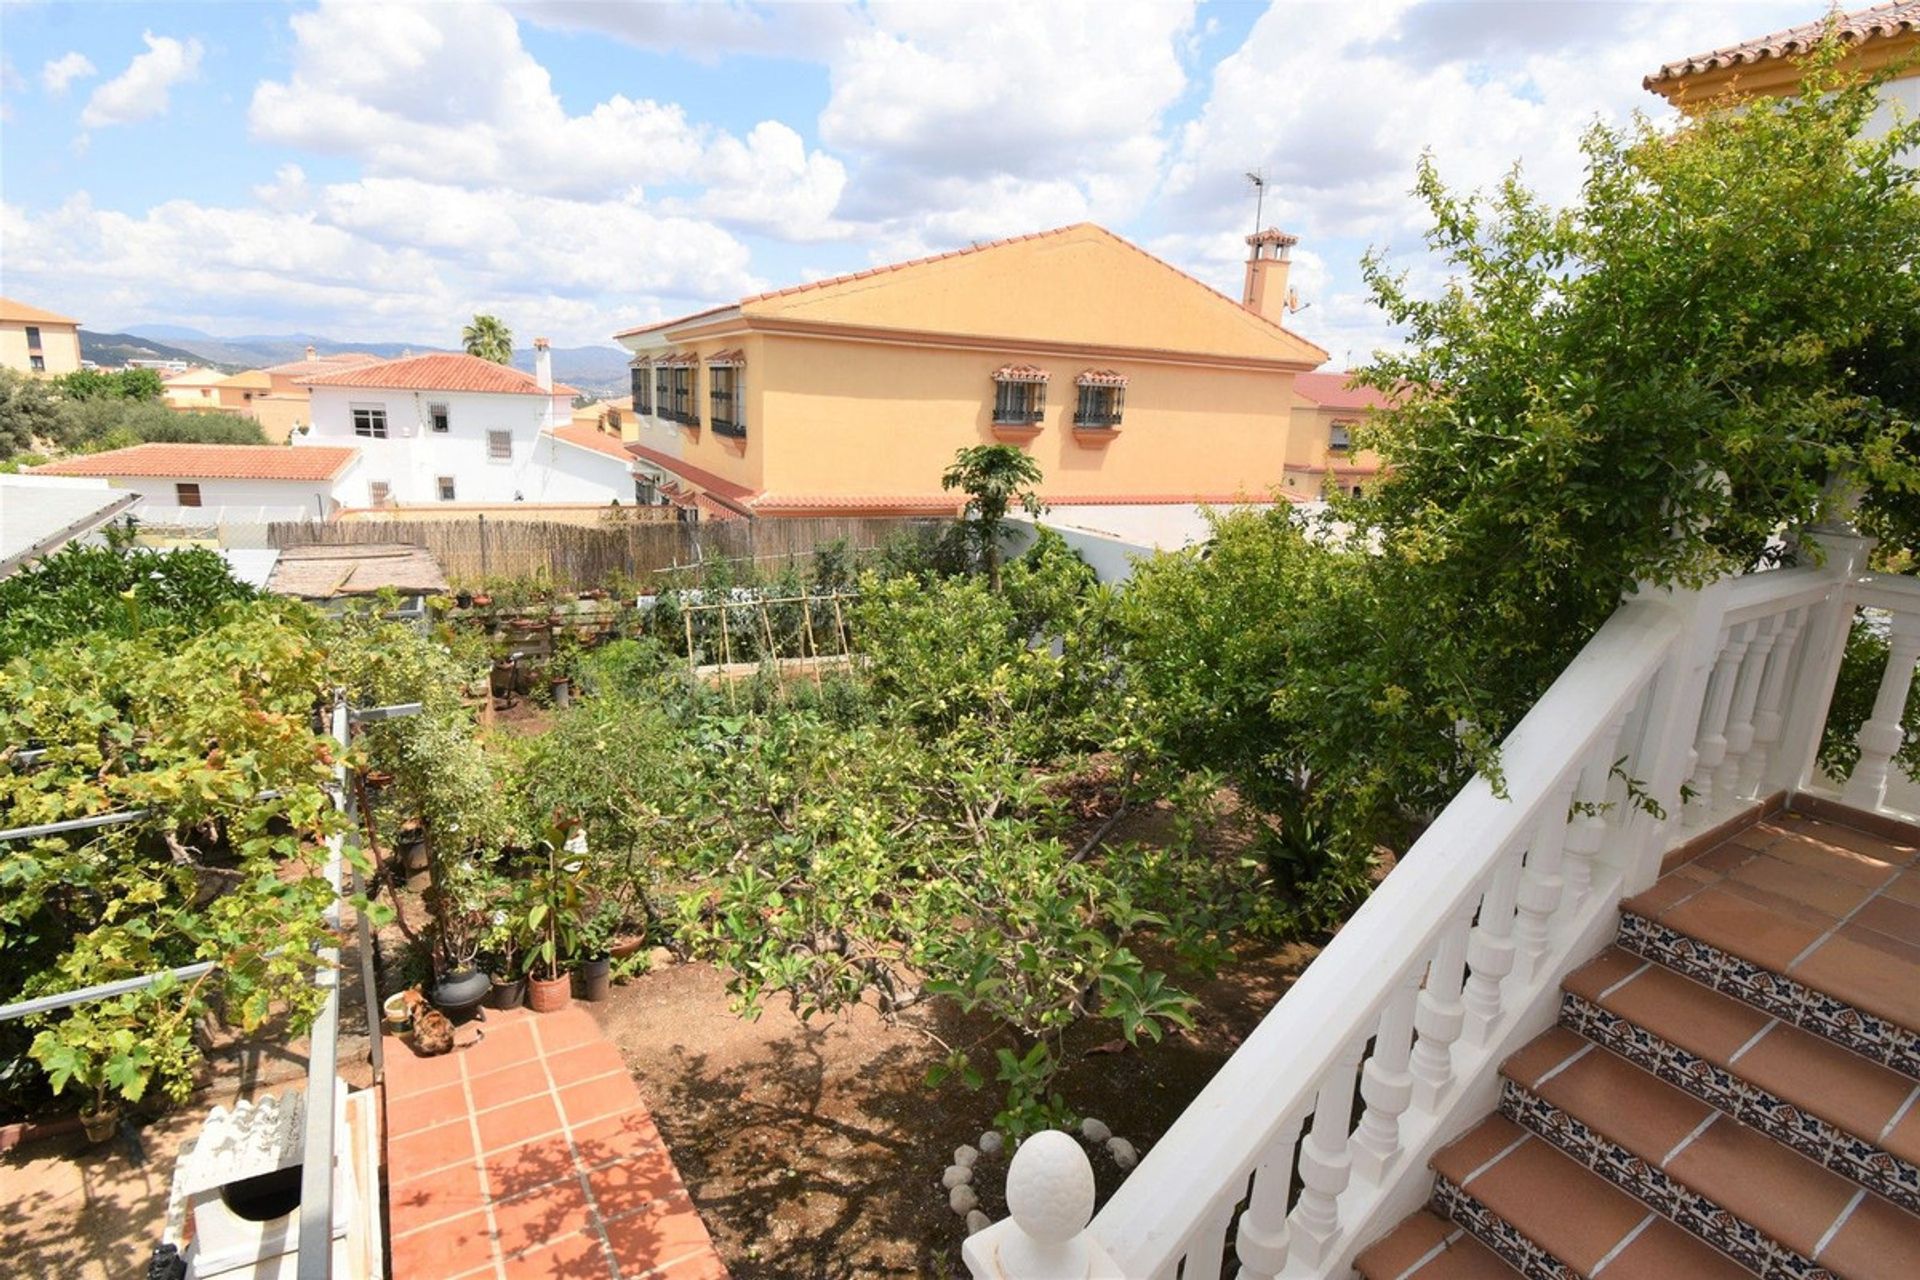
<point x="1864" y="1033"/>
<point x="1499" y="1235"/>
<point x="1740" y="1240"/>
<point x="1844" y="1153"/>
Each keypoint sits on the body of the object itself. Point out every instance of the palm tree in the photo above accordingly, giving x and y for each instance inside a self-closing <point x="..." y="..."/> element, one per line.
<point x="994" y="476"/>
<point x="489" y="338"/>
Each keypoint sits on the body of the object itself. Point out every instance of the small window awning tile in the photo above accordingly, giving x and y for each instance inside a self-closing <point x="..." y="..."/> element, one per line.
<point x="679" y="360"/>
<point x="731" y="358"/>
<point x="1101" y="378"/>
<point x="1020" y="373"/>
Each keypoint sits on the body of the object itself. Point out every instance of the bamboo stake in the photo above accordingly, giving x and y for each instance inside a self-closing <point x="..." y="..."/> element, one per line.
<point x="810" y="646"/>
<point x="726" y="660"/>
<point x="686" y="616"/>
<point x="840" y="628"/>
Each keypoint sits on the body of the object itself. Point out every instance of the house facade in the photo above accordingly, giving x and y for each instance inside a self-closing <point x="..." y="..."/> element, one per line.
<point x="1327" y="410"/>
<point x="220" y="483"/>
<point x="283" y="405"/>
<point x="1125" y="378"/>
<point x="33" y="340"/>
<point x="453" y="429"/>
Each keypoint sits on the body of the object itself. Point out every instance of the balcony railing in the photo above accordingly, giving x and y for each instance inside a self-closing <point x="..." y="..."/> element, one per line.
<point x="723" y="427"/>
<point x="1096" y="420"/>
<point x="1682" y="709"/>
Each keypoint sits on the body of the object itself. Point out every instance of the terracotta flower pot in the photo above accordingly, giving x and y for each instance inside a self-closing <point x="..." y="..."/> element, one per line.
<point x="550" y="995"/>
<point x="100" y="1124"/>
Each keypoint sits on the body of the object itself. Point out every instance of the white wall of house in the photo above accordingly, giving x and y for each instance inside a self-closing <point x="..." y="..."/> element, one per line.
<point x="413" y="459"/>
<point x="235" y="500"/>
<point x="567" y="472"/>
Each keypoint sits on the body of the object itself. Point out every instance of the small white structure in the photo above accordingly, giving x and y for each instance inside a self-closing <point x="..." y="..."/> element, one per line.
<point x="446" y="428"/>
<point x="213" y="483"/>
<point x="236" y="1190"/>
<point x="41" y="514"/>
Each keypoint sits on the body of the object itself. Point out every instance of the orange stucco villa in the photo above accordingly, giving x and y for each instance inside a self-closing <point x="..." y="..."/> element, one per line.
<point x="1129" y="381"/>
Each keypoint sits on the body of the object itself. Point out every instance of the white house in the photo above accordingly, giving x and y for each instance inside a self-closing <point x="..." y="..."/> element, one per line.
<point x="442" y="429"/>
<point x="214" y="483"/>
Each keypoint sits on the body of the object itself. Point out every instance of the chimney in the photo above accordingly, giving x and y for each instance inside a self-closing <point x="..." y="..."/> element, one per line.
<point x="309" y="351"/>
<point x="1267" y="266"/>
<point x="543" y="363"/>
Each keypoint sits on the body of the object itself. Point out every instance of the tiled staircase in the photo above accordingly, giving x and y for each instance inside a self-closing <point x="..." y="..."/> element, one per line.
<point x="1733" y="1089"/>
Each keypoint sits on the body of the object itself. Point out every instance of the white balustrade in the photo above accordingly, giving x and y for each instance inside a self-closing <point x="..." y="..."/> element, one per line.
<point x="1767" y="716"/>
<point x="1438" y="1017"/>
<point x="1746" y="696"/>
<point x="1264" y="1235"/>
<point x="1325" y="1163"/>
<point x="1542" y="885"/>
<point x="1711" y="745"/>
<point x="1049" y="1202"/>
<point x="1386" y="1085"/>
<point x="1591" y="808"/>
<point x="1490" y="947"/>
<point x="1882" y="736"/>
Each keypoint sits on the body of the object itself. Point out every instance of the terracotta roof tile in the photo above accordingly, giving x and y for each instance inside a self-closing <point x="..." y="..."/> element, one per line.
<point x="718" y="486"/>
<point x="1334" y="391"/>
<point x="20" y="311"/>
<point x="442" y="372"/>
<point x="210" y="461"/>
<point x="336" y="363"/>
<point x="901" y="504"/>
<point x="1881" y="22"/>
<point x="591" y="437"/>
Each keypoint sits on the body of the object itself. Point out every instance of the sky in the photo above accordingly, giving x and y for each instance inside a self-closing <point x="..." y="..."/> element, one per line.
<point x="381" y="171"/>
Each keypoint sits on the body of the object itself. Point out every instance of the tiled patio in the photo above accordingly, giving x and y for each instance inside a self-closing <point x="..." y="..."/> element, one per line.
<point x="530" y="1154"/>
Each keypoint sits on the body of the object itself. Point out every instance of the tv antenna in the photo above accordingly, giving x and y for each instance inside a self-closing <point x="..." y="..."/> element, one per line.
<point x="1259" y="181"/>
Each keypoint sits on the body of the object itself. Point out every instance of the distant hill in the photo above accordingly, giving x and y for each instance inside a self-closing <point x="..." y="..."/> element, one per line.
<point x="112" y="350"/>
<point x="598" y="369"/>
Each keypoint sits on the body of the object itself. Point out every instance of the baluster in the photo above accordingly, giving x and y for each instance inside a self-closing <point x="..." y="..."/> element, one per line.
<point x="1386" y="1085"/>
<point x="1438" y="1016"/>
<point x="1768" y="718"/>
<point x="1325" y="1160"/>
<point x="1710" y="746"/>
<point x="1261" y="1242"/>
<point x="1881" y="735"/>
<point x="1206" y="1251"/>
<point x="1490" y="950"/>
<point x="1587" y="830"/>
<point x="1541" y="884"/>
<point x="1746" y="694"/>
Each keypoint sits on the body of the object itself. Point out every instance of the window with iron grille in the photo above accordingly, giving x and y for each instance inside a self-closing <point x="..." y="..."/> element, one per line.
<point x="499" y="446"/>
<point x="445" y="485"/>
<point x="441" y="420"/>
<point x="38" y="361"/>
<point x="186" y="495"/>
<point x="1338" y="439"/>
<point x="724" y="409"/>
<point x="370" y="421"/>
<point x="676" y="390"/>
<point x="1099" y="406"/>
<point x="1019" y="402"/>
<point x="379" y="493"/>
<point x="642" y="381"/>
<point x="33" y="337"/>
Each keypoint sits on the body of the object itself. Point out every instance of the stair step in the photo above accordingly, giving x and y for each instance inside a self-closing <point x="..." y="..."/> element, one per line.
<point x="1766" y="1206"/>
<point x="1427" y="1247"/>
<point x="1857" y="1117"/>
<point x="1813" y="922"/>
<point x="1541" y="1211"/>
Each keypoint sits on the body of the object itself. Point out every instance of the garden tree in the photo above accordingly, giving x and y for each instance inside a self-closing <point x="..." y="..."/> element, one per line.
<point x="994" y="477"/>
<point x="28" y="413"/>
<point x="489" y="338"/>
<point x="113" y="590"/>
<point x="110" y="384"/>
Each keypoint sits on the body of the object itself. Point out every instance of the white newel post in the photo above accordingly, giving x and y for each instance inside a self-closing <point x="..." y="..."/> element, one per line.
<point x="1810" y="684"/>
<point x="1881" y="736"/>
<point x="1050" y="1201"/>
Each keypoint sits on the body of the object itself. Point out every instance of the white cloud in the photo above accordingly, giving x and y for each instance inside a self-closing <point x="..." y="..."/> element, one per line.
<point x="62" y="71"/>
<point x="143" y="89"/>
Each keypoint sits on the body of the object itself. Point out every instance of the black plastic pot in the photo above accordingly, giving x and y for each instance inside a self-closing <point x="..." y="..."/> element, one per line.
<point x="562" y="693"/>
<point x="464" y="599"/>
<point x="459" y="994"/>
<point x="507" y="994"/>
<point x="596" y="978"/>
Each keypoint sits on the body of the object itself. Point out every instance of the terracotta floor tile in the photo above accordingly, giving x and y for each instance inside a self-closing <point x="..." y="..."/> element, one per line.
<point x="658" y="1236"/>
<point x="505" y="1044"/>
<point x="1783" y="906"/>
<point x="634" y="1182"/>
<point x="517" y="1122"/>
<point x="1789" y="1198"/>
<point x="623" y="1134"/>
<point x="1905" y="887"/>
<point x="1819" y="1077"/>
<point x="1681" y="1011"/>
<point x="1892" y="917"/>
<point x="1856" y="841"/>
<point x="532" y="1164"/>
<point x="1610" y="1095"/>
<point x="414" y="1154"/>
<point x="1406" y="1244"/>
<point x="1459" y="1158"/>
<point x="706" y="1265"/>
<point x="1768" y="937"/>
<point x="567" y="1029"/>
<point x="1878" y="1240"/>
<point x="1665" y="1252"/>
<point x="1542" y="1054"/>
<point x="425" y="1110"/>
<point x="408" y="1073"/>
<point x="1728" y="856"/>
<point x="1607" y="969"/>
<point x="1864" y="976"/>
<point x="1756" y="837"/>
<point x="546" y="1213"/>
<point x="448" y="1248"/>
<point x="580" y="1256"/>
<point x="1830" y="895"/>
<point x="1838" y="864"/>
<point x="510" y="1084"/>
<point x="1900" y="949"/>
<point x="1572" y="1213"/>
<point x="605" y="1096"/>
<point x="448" y="1193"/>
<point x="571" y="1066"/>
<point x="1665" y="892"/>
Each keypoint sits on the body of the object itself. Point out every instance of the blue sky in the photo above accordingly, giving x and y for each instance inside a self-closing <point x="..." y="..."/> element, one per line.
<point x="381" y="171"/>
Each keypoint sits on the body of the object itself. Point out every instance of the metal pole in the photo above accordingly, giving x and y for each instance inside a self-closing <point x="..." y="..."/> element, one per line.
<point x="316" y="1166"/>
<point x="106" y="990"/>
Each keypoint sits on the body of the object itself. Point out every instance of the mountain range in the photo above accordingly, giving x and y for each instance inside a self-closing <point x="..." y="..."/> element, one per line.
<point x="602" y="369"/>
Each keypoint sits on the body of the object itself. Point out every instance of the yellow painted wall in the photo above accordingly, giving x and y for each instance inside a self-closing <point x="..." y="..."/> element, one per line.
<point x="879" y="420"/>
<point x="59" y="347"/>
<point x="740" y="461"/>
<point x="1307" y="447"/>
<point x="277" y="414"/>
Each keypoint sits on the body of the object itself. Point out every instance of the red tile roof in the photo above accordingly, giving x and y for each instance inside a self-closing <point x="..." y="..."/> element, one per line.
<point x="589" y="437"/>
<point x="210" y="462"/>
<point x="719" y="486"/>
<point x="1334" y="391"/>
<point x="20" y="311"/>
<point x="444" y="372"/>
<point x="336" y="363"/>
<point x="1171" y="499"/>
<point x="893" y="504"/>
<point x="1881" y="22"/>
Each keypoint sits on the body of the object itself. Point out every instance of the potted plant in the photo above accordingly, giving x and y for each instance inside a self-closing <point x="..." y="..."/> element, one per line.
<point x="504" y="946"/>
<point x="595" y="968"/>
<point x="560" y="671"/>
<point x="554" y="921"/>
<point x="112" y="1053"/>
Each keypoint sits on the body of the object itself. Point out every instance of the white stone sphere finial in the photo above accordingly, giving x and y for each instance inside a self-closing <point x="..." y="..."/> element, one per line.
<point x="1050" y="1196"/>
